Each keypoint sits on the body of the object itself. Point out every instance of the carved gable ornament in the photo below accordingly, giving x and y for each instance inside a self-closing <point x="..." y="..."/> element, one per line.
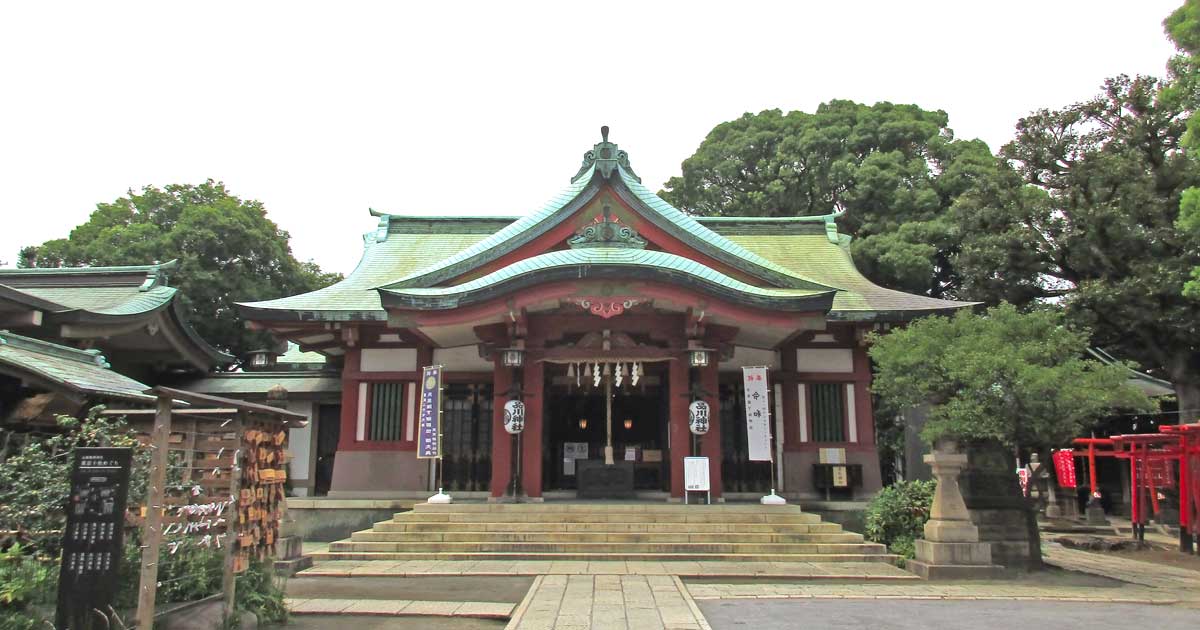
<point x="607" y="231"/>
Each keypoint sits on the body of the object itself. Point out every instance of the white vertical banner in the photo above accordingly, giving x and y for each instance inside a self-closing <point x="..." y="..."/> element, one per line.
<point x="758" y="414"/>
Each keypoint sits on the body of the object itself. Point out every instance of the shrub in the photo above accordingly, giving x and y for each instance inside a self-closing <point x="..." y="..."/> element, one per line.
<point x="897" y="515"/>
<point x="27" y="585"/>
<point x="259" y="591"/>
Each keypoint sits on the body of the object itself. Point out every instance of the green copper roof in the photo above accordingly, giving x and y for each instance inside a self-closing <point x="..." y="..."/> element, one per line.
<point x="50" y="365"/>
<point x="582" y="189"/>
<point x="688" y="229"/>
<point x="599" y="262"/>
<point x="408" y="257"/>
<point x="859" y="299"/>
<point x="405" y="245"/>
<point x="104" y="291"/>
<point x="109" y="295"/>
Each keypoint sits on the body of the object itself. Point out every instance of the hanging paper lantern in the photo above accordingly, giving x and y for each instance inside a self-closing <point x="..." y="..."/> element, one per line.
<point x="514" y="416"/>
<point x="698" y="417"/>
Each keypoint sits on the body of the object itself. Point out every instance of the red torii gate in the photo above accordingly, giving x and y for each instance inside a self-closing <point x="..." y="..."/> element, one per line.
<point x="1150" y="456"/>
<point x="1189" y="482"/>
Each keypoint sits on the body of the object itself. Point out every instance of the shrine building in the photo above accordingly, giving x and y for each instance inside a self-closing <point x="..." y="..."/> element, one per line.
<point x="607" y="312"/>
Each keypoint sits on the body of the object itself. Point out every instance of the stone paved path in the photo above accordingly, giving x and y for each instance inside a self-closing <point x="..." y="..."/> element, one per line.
<point x="1124" y="569"/>
<point x="608" y="602"/>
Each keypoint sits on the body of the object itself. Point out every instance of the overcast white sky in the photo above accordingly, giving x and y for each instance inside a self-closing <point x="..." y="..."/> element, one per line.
<point x="323" y="110"/>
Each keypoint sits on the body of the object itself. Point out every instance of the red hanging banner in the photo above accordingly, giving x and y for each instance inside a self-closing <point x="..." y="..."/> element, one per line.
<point x="1064" y="467"/>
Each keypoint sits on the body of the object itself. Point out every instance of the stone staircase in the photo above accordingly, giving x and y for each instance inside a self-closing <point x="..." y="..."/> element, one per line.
<point x="651" y="532"/>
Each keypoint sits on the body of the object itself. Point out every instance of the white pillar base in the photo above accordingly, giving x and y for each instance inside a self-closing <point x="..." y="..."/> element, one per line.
<point x="773" y="499"/>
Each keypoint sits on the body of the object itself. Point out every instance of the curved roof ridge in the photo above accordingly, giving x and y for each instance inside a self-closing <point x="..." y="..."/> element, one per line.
<point x="693" y="227"/>
<point x="549" y="209"/>
<point x="605" y="256"/>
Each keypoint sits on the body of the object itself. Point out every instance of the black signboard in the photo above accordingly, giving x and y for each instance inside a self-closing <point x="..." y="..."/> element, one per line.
<point x="92" y="539"/>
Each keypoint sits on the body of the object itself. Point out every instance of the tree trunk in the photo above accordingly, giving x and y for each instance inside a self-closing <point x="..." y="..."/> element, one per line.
<point x="1187" y="392"/>
<point x="1184" y="379"/>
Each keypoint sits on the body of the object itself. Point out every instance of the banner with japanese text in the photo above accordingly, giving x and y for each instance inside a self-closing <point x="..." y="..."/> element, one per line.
<point x="758" y="417"/>
<point x="429" y="429"/>
<point x="1064" y="467"/>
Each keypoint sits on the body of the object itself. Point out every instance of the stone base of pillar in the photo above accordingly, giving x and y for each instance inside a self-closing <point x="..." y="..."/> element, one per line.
<point x="954" y="561"/>
<point x="1095" y="514"/>
<point x="289" y="556"/>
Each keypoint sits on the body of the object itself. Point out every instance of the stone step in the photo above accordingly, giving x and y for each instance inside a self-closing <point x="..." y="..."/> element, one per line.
<point x="607" y="527"/>
<point x="595" y="557"/>
<point x="611" y="528"/>
<point x="605" y="507"/>
<point x="601" y="548"/>
<point x="606" y="517"/>
<point x="629" y="537"/>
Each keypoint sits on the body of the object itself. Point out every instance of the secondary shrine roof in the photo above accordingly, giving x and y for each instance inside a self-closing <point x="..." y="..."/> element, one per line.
<point x="57" y="367"/>
<point x="441" y="262"/>
<point x="104" y="302"/>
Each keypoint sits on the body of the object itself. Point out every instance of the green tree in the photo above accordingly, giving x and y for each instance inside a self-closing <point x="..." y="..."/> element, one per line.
<point x="1019" y="379"/>
<point x="1085" y="207"/>
<point x="894" y="169"/>
<point x="1183" y="28"/>
<point x="228" y="251"/>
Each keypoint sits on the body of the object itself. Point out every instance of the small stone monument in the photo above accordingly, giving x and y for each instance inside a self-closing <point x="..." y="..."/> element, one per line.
<point x="951" y="547"/>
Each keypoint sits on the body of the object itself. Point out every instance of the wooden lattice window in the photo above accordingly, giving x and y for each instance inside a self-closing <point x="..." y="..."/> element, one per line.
<point x="387" y="412"/>
<point x="828" y="411"/>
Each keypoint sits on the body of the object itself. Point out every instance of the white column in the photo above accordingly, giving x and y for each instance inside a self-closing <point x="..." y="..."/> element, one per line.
<point x="410" y="412"/>
<point x="360" y="426"/>
<point x="852" y="420"/>
<point x="802" y="411"/>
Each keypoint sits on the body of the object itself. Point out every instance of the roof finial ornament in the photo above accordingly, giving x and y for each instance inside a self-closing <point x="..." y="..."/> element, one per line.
<point x="605" y="157"/>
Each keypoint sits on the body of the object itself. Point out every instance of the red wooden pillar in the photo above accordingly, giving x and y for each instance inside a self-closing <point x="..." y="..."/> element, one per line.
<point x="864" y="409"/>
<point x="349" y="420"/>
<point x="501" y="440"/>
<point x="710" y="444"/>
<point x="531" y="439"/>
<point x="677" y="419"/>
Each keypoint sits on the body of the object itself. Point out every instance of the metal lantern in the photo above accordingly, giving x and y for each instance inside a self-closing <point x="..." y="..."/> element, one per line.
<point x="514" y="416"/>
<point x="698" y="358"/>
<point x="583" y="423"/>
<point x="513" y="357"/>
<point x="698" y="414"/>
<point x="628" y="424"/>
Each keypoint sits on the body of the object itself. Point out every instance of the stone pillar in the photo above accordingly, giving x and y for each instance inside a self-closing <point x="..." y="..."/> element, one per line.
<point x="951" y="547"/>
<point x="531" y="438"/>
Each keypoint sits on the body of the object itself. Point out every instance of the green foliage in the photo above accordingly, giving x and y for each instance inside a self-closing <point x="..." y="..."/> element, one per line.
<point x="227" y="248"/>
<point x="27" y="587"/>
<point x="261" y="592"/>
<point x="35" y="481"/>
<point x="894" y="169"/>
<point x="23" y="578"/>
<point x="1012" y="377"/>
<point x="896" y="516"/>
<point x="1085" y="207"/>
